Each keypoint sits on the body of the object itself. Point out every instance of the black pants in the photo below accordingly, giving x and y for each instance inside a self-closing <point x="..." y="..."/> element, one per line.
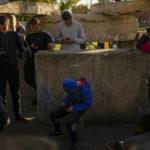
<point x="10" y="74"/>
<point x="29" y="72"/>
<point x="3" y="115"/>
<point x="73" y="117"/>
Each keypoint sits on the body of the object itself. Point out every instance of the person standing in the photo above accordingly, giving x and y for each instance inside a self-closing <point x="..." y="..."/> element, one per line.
<point x="70" y="33"/>
<point x="36" y="40"/>
<point x="9" y="42"/>
<point x="19" y="28"/>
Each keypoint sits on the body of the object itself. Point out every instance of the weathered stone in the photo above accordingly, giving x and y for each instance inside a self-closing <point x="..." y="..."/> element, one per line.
<point x="127" y="44"/>
<point x="27" y="142"/>
<point x="126" y="7"/>
<point x="119" y="80"/>
<point x="3" y="2"/>
<point x="25" y="7"/>
<point x="99" y="27"/>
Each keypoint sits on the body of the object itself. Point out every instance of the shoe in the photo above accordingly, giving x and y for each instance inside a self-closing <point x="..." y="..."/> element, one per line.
<point x="20" y="119"/>
<point x="56" y="134"/>
<point x="73" y="146"/>
<point x="114" y="145"/>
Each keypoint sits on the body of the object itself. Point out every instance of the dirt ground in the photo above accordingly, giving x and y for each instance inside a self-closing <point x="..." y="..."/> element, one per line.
<point x="94" y="135"/>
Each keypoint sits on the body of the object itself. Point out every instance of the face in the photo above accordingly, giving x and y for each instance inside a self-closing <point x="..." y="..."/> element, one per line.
<point x="36" y="28"/>
<point x="17" y="25"/>
<point x="148" y="34"/>
<point x="68" y="22"/>
<point x="4" y="27"/>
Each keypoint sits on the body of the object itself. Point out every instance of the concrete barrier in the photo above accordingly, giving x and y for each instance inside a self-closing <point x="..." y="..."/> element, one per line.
<point x="27" y="142"/>
<point x="98" y="27"/>
<point x="126" y="7"/>
<point x="26" y="7"/>
<point x="119" y="81"/>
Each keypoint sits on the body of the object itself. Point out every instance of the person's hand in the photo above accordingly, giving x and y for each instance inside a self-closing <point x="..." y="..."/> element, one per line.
<point x="68" y="40"/>
<point x="51" y="45"/>
<point x="34" y="46"/>
<point x="62" y="105"/>
<point x="69" y="109"/>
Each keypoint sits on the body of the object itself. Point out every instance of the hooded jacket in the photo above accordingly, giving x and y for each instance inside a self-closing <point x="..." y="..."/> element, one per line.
<point x="75" y="31"/>
<point x="9" y="42"/>
<point x="80" y="100"/>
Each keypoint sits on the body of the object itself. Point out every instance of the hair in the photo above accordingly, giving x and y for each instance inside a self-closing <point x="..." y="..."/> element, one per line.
<point x="148" y="30"/>
<point x="66" y="16"/>
<point x="4" y="19"/>
<point x="19" y="23"/>
<point x="35" y="21"/>
<point x="143" y="122"/>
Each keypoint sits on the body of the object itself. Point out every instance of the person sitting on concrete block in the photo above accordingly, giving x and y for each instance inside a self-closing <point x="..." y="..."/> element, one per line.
<point x="70" y="33"/>
<point x="77" y="102"/>
<point x="141" y="140"/>
<point x="144" y="42"/>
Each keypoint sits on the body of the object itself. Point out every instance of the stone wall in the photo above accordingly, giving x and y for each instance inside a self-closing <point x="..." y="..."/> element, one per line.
<point x="99" y="27"/>
<point x="119" y="81"/>
<point x="26" y="7"/>
<point x="127" y="7"/>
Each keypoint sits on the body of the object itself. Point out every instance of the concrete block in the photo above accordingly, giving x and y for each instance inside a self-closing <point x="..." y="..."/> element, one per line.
<point x="99" y="27"/>
<point x="26" y="7"/>
<point x="27" y="142"/>
<point x="127" y="7"/>
<point x="119" y="80"/>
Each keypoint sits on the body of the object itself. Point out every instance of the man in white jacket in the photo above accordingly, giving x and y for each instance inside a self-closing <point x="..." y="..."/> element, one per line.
<point x="70" y="33"/>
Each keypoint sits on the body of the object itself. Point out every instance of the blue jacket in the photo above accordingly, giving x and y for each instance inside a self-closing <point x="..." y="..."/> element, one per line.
<point x="81" y="99"/>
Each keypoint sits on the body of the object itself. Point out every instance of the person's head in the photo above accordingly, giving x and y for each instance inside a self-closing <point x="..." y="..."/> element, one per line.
<point x="4" y="24"/>
<point x="35" y="25"/>
<point x="148" y="31"/>
<point x="67" y="18"/>
<point x="18" y="24"/>
<point x="143" y="123"/>
<point x="69" y="85"/>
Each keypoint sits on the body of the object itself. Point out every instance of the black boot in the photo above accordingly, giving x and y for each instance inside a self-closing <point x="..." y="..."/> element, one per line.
<point x="74" y="138"/>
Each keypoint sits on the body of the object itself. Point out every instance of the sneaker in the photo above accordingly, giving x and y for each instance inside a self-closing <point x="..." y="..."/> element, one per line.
<point x="56" y="134"/>
<point x="115" y="145"/>
<point x="20" y="119"/>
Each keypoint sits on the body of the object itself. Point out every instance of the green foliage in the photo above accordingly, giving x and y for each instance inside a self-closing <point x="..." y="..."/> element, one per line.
<point x="67" y="4"/>
<point x="44" y="1"/>
<point x="80" y="9"/>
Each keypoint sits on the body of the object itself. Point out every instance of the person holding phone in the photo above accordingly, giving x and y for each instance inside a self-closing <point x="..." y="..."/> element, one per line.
<point x="70" y="33"/>
<point x="36" y="40"/>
